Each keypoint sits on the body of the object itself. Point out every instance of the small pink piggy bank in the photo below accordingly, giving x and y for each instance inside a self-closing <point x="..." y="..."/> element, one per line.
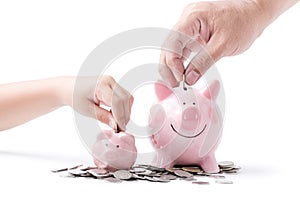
<point x="114" y="150"/>
<point x="186" y="126"/>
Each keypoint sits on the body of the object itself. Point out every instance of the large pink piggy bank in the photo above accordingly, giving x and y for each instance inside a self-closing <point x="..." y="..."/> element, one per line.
<point x="186" y="126"/>
<point x="114" y="150"/>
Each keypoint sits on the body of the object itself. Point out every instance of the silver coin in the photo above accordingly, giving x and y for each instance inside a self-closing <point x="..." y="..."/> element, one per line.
<point x="168" y="176"/>
<point x="160" y="179"/>
<point x="85" y="168"/>
<point x="223" y="181"/>
<point x="77" y="172"/>
<point x="217" y="176"/>
<point x="137" y="170"/>
<point x="112" y="180"/>
<point x="203" y="174"/>
<point x="146" y="172"/>
<point x="201" y="182"/>
<point x="182" y="173"/>
<point x="236" y="167"/>
<point x="66" y="174"/>
<point x="98" y="173"/>
<point x="225" y="164"/>
<point x="150" y="178"/>
<point x="136" y="176"/>
<point x="226" y="169"/>
<point x="140" y="166"/>
<point x="155" y="174"/>
<point x="157" y="169"/>
<point x="122" y="174"/>
<point x="191" y="169"/>
<point x="230" y="171"/>
<point x="188" y="179"/>
<point x="59" y="170"/>
<point x="75" y="167"/>
<point x="80" y="174"/>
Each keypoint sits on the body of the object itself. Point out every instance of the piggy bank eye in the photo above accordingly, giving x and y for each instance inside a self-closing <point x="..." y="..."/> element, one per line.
<point x="105" y="143"/>
<point x="194" y="103"/>
<point x="117" y="146"/>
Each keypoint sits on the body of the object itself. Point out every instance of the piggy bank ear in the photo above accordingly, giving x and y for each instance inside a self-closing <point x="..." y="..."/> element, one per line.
<point x="162" y="90"/>
<point x="126" y="138"/>
<point x="212" y="91"/>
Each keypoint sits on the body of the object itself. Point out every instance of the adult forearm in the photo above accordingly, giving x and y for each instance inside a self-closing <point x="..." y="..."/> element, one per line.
<point x="274" y="8"/>
<point x="24" y="101"/>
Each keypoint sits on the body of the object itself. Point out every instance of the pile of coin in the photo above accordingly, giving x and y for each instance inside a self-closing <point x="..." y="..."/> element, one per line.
<point x="152" y="173"/>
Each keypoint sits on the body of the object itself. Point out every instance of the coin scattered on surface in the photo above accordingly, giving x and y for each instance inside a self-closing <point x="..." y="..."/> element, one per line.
<point x="193" y="174"/>
<point x="77" y="172"/>
<point x="169" y="177"/>
<point x="59" y="170"/>
<point x="216" y="176"/>
<point x="138" y="170"/>
<point x="225" y="164"/>
<point x="75" y="167"/>
<point x="182" y="173"/>
<point x="223" y="181"/>
<point x="85" y="168"/>
<point x="113" y="180"/>
<point x="201" y="182"/>
<point x="99" y="173"/>
<point x="122" y="174"/>
<point x="192" y="169"/>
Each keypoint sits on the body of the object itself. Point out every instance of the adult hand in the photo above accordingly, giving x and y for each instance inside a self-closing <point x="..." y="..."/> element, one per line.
<point x="223" y="28"/>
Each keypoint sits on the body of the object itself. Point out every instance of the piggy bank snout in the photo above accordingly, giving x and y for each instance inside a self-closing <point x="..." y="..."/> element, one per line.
<point x="190" y="118"/>
<point x="111" y="156"/>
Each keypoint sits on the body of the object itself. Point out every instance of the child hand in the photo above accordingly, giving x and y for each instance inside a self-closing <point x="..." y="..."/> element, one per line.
<point x="89" y="99"/>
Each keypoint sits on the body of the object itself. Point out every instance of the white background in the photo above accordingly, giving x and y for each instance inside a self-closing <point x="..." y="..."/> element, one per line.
<point x="44" y="39"/>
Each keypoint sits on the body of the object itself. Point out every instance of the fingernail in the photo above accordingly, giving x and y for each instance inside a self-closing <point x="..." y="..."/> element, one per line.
<point x="192" y="77"/>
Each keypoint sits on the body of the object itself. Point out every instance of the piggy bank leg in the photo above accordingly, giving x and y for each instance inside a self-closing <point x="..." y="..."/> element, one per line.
<point x="162" y="161"/>
<point x="209" y="163"/>
<point x="99" y="164"/>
